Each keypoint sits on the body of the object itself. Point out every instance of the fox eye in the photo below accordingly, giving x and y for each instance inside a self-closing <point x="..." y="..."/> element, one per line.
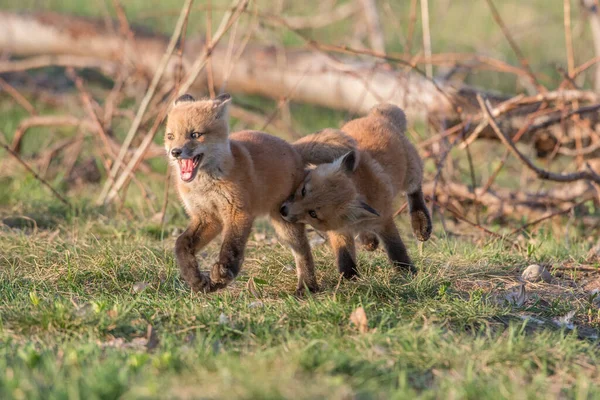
<point x="304" y="191"/>
<point x="312" y="213"/>
<point x="170" y="136"/>
<point x="196" y="135"/>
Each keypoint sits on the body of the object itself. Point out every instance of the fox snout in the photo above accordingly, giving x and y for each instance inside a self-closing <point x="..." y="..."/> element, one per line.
<point x="185" y="151"/>
<point x="285" y="213"/>
<point x="176" y="152"/>
<point x="284" y="210"/>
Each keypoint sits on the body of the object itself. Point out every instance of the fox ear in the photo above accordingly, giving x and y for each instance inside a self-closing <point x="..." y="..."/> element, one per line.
<point x="220" y="103"/>
<point x="184" y="98"/>
<point x="348" y="162"/>
<point x="361" y="211"/>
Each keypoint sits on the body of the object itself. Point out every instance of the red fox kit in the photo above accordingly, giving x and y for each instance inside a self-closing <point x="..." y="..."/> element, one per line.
<point x="225" y="181"/>
<point x="358" y="173"/>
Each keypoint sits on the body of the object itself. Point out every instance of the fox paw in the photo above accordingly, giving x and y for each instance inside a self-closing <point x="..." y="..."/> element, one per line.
<point x="221" y="276"/>
<point x="302" y="287"/>
<point x="201" y="284"/>
<point x="421" y="224"/>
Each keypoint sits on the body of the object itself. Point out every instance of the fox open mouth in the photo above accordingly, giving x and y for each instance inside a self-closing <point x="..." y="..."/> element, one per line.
<point x="188" y="167"/>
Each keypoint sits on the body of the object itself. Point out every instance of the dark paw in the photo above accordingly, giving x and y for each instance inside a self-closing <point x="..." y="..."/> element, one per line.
<point x="421" y="224"/>
<point x="302" y="288"/>
<point x="201" y="284"/>
<point x="407" y="266"/>
<point x="220" y="276"/>
<point x="350" y="274"/>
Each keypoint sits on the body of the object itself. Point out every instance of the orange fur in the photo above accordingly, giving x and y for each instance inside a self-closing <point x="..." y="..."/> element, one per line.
<point x="225" y="181"/>
<point x="360" y="170"/>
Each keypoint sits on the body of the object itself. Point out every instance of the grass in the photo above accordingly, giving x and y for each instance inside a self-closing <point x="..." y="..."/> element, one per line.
<point x="81" y="288"/>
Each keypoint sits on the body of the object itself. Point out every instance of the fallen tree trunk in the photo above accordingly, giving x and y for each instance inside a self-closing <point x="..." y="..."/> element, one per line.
<point x="312" y="77"/>
<point x="304" y="76"/>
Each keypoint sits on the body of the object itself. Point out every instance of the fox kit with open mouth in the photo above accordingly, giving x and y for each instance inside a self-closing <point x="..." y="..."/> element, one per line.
<point x="357" y="173"/>
<point x="225" y="181"/>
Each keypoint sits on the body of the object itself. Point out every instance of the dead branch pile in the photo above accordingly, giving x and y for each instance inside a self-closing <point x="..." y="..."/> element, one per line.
<point x="560" y="122"/>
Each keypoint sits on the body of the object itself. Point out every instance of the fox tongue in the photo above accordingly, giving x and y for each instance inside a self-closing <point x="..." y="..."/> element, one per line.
<point x="187" y="168"/>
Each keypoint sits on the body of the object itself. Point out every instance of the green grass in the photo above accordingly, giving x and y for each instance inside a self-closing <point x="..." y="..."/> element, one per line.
<point x="73" y="323"/>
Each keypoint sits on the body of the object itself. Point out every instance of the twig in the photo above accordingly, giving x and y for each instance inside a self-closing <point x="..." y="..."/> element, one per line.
<point x="411" y="27"/>
<point x="44" y="120"/>
<point x="568" y="37"/>
<point x="541" y="173"/>
<point x="228" y="20"/>
<point x="473" y="182"/>
<point x="426" y="37"/>
<point x="316" y="21"/>
<point x="185" y="10"/>
<point x="124" y="24"/>
<point x="571" y="67"/>
<point x="401" y="209"/>
<point x="163" y="210"/>
<point x="577" y="267"/>
<point x="87" y="102"/>
<point x="583" y="67"/>
<point x="57" y="61"/>
<point x="371" y="18"/>
<point x="35" y="175"/>
<point x="282" y="102"/>
<point x="210" y="80"/>
<point x="547" y="217"/>
<point x="514" y="46"/>
<point x="464" y="219"/>
<point x="19" y="98"/>
<point x="226" y="23"/>
<point x="231" y="64"/>
<point x="591" y="7"/>
<point x="552" y="121"/>
<point x="494" y="174"/>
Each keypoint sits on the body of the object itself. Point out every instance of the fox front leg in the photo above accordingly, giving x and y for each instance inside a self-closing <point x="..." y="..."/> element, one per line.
<point x="344" y="249"/>
<point x="294" y="236"/>
<point x="198" y="234"/>
<point x="231" y="257"/>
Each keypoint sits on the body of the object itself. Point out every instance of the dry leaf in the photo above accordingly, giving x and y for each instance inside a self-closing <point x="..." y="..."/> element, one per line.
<point x="565" y="320"/>
<point x="139" y="287"/>
<point x="251" y="286"/>
<point x="316" y="241"/>
<point x="260" y="237"/>
<point x="152" y="338"/>
<point x="223" y="319"/>
<point x="517" y="297"/>
<point x="359" y="319"/>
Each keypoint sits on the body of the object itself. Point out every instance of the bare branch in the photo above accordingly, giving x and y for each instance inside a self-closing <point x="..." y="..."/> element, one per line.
<point x="35" y="175"/>
<point x="588" y="175"/>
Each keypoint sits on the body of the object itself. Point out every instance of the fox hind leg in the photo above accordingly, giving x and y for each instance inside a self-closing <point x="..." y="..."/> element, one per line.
<point x="420" y="219"/>
<point x="394" y="246"/>
<point x="294" y="236"/>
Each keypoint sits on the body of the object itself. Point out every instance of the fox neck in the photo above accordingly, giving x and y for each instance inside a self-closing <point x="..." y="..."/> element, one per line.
<point x="219" y="163"/>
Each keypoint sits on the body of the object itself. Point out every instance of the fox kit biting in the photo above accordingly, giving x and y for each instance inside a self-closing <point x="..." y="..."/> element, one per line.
<point x="357" y="173"/>
<point x="225" y="181"/>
